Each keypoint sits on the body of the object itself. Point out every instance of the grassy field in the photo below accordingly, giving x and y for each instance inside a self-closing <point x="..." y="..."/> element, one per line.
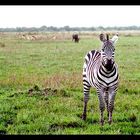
<point x="41" y="87"/>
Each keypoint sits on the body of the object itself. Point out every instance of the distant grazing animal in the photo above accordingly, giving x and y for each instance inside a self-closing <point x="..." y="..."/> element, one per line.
<point x="75" y="38"/>
<point x="101" y="71"/>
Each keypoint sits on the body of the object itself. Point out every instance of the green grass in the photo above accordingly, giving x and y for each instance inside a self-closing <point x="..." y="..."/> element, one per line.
<point x="53" y="71"/>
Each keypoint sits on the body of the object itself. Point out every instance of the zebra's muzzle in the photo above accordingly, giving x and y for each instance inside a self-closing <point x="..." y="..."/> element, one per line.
<point x="109" y="64"/>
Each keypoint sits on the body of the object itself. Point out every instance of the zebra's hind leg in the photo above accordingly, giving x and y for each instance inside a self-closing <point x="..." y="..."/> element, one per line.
<point x="101" y="106"/>
<point x="86" y="89"/>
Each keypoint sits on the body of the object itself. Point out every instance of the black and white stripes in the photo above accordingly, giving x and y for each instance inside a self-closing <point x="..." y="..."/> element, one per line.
<point x="100" y="71"/>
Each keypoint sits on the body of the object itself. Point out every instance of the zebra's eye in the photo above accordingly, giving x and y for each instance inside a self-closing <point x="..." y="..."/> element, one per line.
<point x="103" y="49"/>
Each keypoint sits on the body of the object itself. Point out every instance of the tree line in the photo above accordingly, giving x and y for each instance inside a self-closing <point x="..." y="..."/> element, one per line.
<point x="66" y="28"/>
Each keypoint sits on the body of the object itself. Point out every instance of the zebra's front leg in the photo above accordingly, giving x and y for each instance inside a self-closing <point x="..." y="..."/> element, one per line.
<point x="86" y="98"/>
<point x="106" y="101"/>
<point x="111" y="105"/>
<point x="101" y="106"/>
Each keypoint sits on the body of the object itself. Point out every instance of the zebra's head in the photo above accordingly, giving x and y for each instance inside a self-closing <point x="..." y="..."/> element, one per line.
<point x="107" y="51"/>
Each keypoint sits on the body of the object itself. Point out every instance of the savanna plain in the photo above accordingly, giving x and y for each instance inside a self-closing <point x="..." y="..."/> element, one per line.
<point x="41" y="88"/>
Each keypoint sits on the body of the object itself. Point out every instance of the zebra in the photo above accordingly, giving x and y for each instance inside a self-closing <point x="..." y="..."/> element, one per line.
<point x="101" y="71"/>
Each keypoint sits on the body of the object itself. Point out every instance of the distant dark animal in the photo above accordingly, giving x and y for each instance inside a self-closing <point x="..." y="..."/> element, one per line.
<point x="75" y="38"/>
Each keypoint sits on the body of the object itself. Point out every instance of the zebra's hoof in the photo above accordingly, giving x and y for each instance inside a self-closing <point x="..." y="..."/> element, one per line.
<point x="109" y="122"/>
<point x="102" y="122"/>
<point x="83" y="117"/>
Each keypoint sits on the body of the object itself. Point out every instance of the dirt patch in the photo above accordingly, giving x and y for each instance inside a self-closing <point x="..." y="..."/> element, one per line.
<point x="2" y="44"/>
<point x="47" y="92"/>
<point x="55" y="127"/>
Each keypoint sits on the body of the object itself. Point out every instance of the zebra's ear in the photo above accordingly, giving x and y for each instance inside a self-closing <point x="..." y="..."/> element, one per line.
<point x="115" y="38"/>
<point x="102" y="37"/>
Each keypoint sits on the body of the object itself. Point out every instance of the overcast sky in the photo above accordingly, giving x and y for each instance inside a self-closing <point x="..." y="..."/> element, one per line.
<point x="73" y="16"/>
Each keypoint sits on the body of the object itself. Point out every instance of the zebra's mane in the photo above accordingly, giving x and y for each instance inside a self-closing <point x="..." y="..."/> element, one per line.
<point x="107" y="36"/>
